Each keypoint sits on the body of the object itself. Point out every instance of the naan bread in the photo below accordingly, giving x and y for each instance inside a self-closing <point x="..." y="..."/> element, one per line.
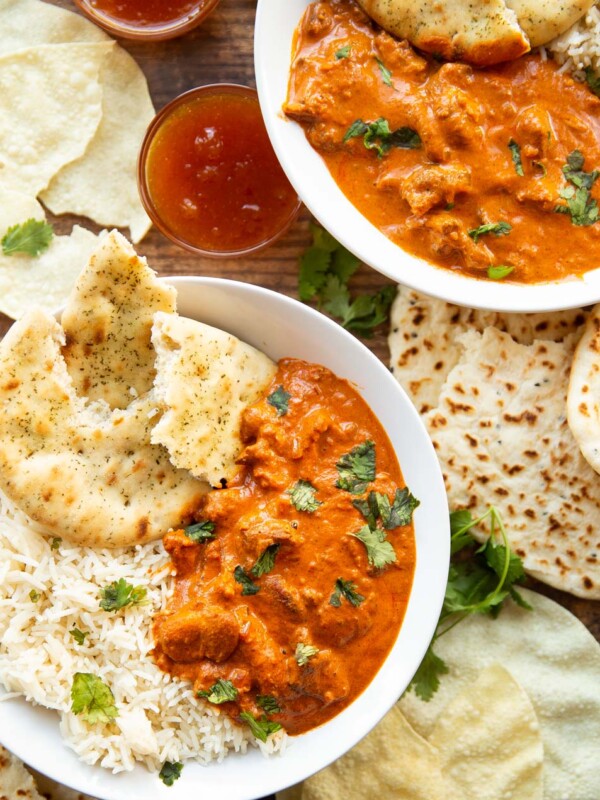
<point x="108" y="324"/>
<point x="557" y="662"/>
<point x="424" y="338"/>
<point x="502" y="438"/>
<point x="482" y="32"/>
<point x="204" y="379"/>
<point x="19" y="783"/>
<point x="583" y="399"/>
<point x="86" y="473"/>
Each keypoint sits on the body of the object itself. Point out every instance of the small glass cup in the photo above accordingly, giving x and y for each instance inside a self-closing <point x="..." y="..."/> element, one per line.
<point x="146" y="195"/>
<point x="154" y="33"/>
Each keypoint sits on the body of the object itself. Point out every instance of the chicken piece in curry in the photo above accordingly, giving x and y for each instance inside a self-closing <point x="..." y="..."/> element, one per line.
<point x="491" y="172"/>
<point x="291" y="588"/>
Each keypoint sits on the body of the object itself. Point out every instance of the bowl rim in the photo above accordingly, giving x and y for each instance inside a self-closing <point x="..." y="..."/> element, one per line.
<point x="314" y="750"/>
<point x="306" y="171"/>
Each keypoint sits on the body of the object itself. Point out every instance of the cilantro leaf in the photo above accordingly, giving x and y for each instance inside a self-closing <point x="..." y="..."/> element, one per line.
<point x="380" y="552"/>
<point x="370" y="507"/>
<point x="248" y="585"/>
<point x="345" y="589"/>
<point x="262" y="728"/>
<point x="401" y="512"/>
<point x="34" y="596"/>
<point x="361" y="315"/>
<point x="220" y="692"/>
<point x="170" y="772"/>
<point x="265" y="562"/>
<point x="343" y="263"/>
<point x="120" y="594"/>
<point x="92" y="699"/>
<point x="314" y="266"/>
<point x="268" y="703"/>
<point x="385" y="73"/>
<point x="515" y="151"/>
<point x="497" y="228"/>
<point x="357" y="468"/>
<point x="592" y="80"/>
<point x="200" y="531"/>
<point x="55" y="543"/>
<point x="304" y="652"/>
<point x="461" y="523"/>
<point x="279" y="399"/>
<point x="378" y="136"/>
<point x="302" y="496"/>
<point x="31" y="237"/>
<point x="78" y="635"/>
<point x="580" y="205"/>
<point x="343" y="52"/>
<point x="499" y="272"/>
<point x="496" y="554"/>
<point x="426" y="680"/>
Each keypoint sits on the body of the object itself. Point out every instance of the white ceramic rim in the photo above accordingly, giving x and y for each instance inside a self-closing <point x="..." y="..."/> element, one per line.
<point x="32" y="733"/>
<point x="276" y="21"/>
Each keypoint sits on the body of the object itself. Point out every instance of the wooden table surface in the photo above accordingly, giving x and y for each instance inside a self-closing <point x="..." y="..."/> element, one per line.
<point x="221" y="51"/>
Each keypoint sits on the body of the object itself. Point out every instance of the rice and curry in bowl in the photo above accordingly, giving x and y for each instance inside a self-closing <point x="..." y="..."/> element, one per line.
<point x="286" y="594"/>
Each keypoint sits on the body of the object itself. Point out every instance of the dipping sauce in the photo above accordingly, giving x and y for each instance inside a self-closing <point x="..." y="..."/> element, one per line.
<point x="466" y="168"/>
<point x="282" y="601"/>
<point x="209" y="177"/>
<point x="147" y="19"/>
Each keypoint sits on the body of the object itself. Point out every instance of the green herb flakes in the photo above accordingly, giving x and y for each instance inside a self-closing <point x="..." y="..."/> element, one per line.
<point x="500" y="272"/>
<point x="279" y="399"/>
<point x="55" y="543"/>
<point x="378" y="136"/>
<point x="580" y="205"/>
<point x="31" y="238"/>
<point x="345" y="589"/>
<point x="343" y="52"/>
<point x="302" y="496"/>
<point x="357" y="468"/>
<point x="262" y="728"/>
<point x="385" y="73"/>
<point x="170" y="772"/>
<point x="515" y="151"/>
<point x="201" y="531"/>
<point x="92" y="699"/>
<point x="119" y="594"/>
<point x="497" y="228"/>
<point x="220" y="692"/>
<point x="592" y="80"/>
<point x="265" y="562"/>
<point x="34" y="596"/>
<point x="268" y="703"/>
<point x="78" y="635"/>
<point x="246" y="582"/>
<point x="304" y="652"/>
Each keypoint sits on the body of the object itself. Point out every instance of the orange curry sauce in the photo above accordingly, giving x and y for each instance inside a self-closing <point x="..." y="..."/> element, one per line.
<point x="212" y="631"/>
<point x="147" y="13"/>
<point x="463" y="175"/>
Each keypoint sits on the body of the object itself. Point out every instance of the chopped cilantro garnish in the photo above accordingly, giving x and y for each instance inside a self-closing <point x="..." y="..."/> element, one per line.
<point x="497" y="228"/>
<point x="357" y="468"/>
<point x="92" y="699"/>
<point x="78" y="635"/>
<point x="31" y="237"/>
<point x="515" y="151"/>
<point x="302" y="496"/>
<point x="345" y="589"/>
<point x="580" y="204"/>
<point x="593" y="80"/>
<point x="55" y="543"/>
<point x="385" y="73"/>
<point x="265" y="562"/>
<point x="34" y="596"/>
<point x="380" y="551"/>
<point x="377" y="506"/>
<point x="279" y="399"/>
<point x="268" y="703"/>
<point x="497" y="273"/>
<point x="201" y="531"/>
<point x="170" y="772"/>
<point x="343" y="52"/>
<point x="120" y="594"/>
<point x="541" y="166"/>
<point x="378" y="136"/>
<point x="304" y="652"/>
<point x="248" y="585"/>
<point x="220" y="692"/>
<point x="479" y="582"/>
<point x="261" y="728"/>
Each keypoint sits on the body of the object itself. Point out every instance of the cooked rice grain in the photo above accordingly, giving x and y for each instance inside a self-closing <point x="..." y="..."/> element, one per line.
<point x="579" y="47"/>
<point x="160" y="719"/>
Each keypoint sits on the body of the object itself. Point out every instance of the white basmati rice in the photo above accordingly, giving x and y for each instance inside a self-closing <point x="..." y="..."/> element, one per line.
<point x="579" y="47"/>
<point x="159" y="719"/>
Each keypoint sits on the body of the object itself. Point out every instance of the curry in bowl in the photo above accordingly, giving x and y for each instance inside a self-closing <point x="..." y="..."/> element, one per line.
<point x="488" y="172"/>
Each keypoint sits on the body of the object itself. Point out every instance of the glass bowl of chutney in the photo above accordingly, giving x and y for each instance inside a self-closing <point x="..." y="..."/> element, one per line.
<point x="208" y="176"/>
<point x="147" y="20"/>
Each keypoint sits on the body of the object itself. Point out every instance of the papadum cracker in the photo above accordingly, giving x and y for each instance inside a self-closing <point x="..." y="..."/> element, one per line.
<point x="556" y="660"/>
<point x="489" y="742"/>
<point x="44" y="280"/>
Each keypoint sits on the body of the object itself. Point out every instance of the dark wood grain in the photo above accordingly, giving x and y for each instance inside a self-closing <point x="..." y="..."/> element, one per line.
<point x="221" y="51"/>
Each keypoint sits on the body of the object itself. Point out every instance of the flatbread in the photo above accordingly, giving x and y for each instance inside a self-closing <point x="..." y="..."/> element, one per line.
<point x="544" y="20"/>
<point x="480" y="31"/>
<point x="502" y="438"/>
<point x="85" y="473"/>
<point x="556" y="660"/>
<point x="424" y="337"/>
<point x="204" y="380"/>
<point x="583" y="399"/>
<point x="108" y="323"/>
<point x="50" y="108"/>
<point x="489" y="741"/>
<point x="20" y="783"/>
<point x="102" y="184"/>
<point x="43" y="280"/>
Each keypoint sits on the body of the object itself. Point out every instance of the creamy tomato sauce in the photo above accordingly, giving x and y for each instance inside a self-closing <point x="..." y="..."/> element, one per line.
<point x="212" y="631"/>
<point x="474" y="125"/>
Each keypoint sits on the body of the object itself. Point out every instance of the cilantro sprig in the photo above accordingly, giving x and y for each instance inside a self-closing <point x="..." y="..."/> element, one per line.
<point x="119" y="594"/>
<point x="380" y="552"/>
<point x="480" y="579"/>
<point x="357" y="468"/>
<point x="170" y="772"/>
<point x="245" y="581"/>
<point x="92" y="699"/>
<point x="222" y="691"/>
<point x="304" y="652"/>
<point x="515" y="151"/>
<point x="325" y="270"/>
<point x="580" y="205"/>
<point x="392" y="515"/>
<point x="266" y="561"/>
<point x="31" y="237"/>
<point x="345" y="589"/>
<point x="303" y="496"/>
<point x="203" y="531"/>
<point x="497" y="228"/>
<point x="261" y="728"/>
<point x="378" y="136"/>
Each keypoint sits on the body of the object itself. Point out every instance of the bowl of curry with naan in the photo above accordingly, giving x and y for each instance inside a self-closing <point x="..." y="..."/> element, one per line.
<point x="472" y="179"/>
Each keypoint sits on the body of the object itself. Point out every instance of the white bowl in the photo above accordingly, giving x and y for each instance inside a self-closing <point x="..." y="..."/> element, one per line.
<point x="276" y="21"/>
<point x="283" y="327"/>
